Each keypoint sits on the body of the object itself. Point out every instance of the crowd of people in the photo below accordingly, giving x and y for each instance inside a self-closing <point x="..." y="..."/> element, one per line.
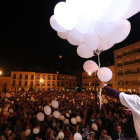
<point x="18" y="113"/>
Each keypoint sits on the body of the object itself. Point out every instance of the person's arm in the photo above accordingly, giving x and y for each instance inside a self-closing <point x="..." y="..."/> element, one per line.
<point x="110" y="91"/>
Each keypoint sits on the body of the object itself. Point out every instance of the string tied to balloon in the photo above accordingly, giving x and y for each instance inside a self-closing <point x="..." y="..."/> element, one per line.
<point x="100" y="91"/>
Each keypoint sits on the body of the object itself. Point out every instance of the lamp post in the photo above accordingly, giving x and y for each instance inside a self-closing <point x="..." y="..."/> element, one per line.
<point x="41" y="81"/>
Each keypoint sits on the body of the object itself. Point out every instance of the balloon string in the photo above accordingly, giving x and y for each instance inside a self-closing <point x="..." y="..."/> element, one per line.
<point x="71" y="126"/>
<point x="100" y="92"/>
<point x="99" y="61"/>
<point x="58" y="128"/>
<point x="67" y="129"/>
<point x="49" y="127"/>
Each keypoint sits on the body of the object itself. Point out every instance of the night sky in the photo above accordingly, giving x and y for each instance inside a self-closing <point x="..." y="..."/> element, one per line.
<point x="27" y="40"/>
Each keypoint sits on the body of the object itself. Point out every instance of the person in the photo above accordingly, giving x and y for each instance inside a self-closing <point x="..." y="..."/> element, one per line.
<point x="118" y="134"/>
<point x="130" y="101"/>
<point x="104" y="135"/>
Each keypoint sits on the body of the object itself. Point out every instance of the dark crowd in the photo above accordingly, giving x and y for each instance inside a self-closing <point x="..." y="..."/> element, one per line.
<point x="18" y="116"/>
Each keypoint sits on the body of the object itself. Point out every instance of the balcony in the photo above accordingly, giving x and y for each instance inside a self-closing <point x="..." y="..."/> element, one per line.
<point x="132" y="72"/>
<point x="120" y="73"/>
<point x="132" y="62"/>
<point x="92" y="84"/>
<point x="131" y="52"/>
<point x="119" y="56"/>
<point x="119" y="65"/>
<point x="120" y="83"/>
<point x="137" y="83"/>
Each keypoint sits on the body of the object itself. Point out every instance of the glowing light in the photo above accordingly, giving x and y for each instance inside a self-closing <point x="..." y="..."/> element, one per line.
<point x="41" y="80"/>
<point x="89" y="73"/>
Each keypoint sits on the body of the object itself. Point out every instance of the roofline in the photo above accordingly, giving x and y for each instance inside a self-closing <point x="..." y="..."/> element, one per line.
<point x="44" y="73"/>
<point x="8" y="77"/>
<point x="127" y="46"/>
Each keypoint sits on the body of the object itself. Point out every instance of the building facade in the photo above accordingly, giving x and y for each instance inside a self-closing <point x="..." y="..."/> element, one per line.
<point x="20" y="80"/>
<point x="91" y="82"/>
<point x="127" y="67"/>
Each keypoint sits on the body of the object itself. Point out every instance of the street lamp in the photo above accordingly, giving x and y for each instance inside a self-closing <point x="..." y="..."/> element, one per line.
<point x="0" y="72"/>
<point x="41" y="81"/>
<point x="89" y="73"/>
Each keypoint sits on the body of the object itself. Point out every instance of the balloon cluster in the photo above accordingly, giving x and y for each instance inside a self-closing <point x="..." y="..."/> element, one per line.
<point x="93" y="24"/>
<point x="104" y="74"/>
<point x="57" y="115"/>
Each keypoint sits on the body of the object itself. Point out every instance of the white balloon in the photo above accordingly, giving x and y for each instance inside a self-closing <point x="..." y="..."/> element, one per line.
<point x="94" y="127"/>
<point x="55" y="103"/>
<point x="103" y="26"/>
<point x="120" y="31"/>
<point x="36" y="130"/>
<point x="117" y="9"/>
<point x="62" y="117"/>
<point x="63" y="35"/>
<point x="40" y="116"/>
<point x="90" y="66"/>
<point x="84" y="52"/>
<point x="77" y="35"/>
<point x="92" y="40"/>
<point x="78" y="119"/>
<point x="47" y="110"/>
<point x="55" y="25"/>
<point x="104" y="74"/>
<point x="92" y="26"/>
<point x="67" y="115"/>
<point x="66" y="121"/>
<point x="134" y="8"/>
<point x="61" y="135"/>
<point x="27" y="132"/>
<point x="95" y="8"/>
<point x="73" y="121"/>
<point x="105" y="43"/>
<point x="82" y="23"/>
<point x="77" y="136"/>
<point x="64" y="15"/>
<point x="72" y="40"/>
<point x="56" y="114"/>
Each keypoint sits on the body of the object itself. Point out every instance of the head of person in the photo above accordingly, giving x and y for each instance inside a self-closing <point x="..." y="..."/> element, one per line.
<point x="104" y="132"/>
<point x="92" y="134"/>
<point x="119" y="129"/>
